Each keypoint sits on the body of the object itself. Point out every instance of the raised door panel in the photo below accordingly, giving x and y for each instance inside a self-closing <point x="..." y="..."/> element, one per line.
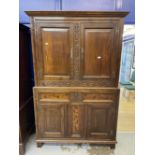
<point x="97" y="53"/>
<point x="56" y="52"/>
<point x="51" y="119"/>
<point x="100" y="51"/>
<point x="100" y="120"/>
<point x="53" y="51"/>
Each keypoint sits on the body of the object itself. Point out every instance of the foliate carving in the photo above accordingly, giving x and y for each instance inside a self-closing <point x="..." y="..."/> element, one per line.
<point x="76" y="49"/>
<point x="74" y="83"/>
<point x="76" y="118"/>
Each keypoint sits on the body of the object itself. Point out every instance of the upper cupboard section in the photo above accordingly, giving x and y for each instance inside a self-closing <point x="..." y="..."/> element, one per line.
<point x="76" y="51"/>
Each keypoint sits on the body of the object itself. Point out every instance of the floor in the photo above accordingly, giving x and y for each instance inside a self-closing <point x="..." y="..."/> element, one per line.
<point x="126" y="115"/>
<point x="125" y="135"/>
<point x="125" y="146"/>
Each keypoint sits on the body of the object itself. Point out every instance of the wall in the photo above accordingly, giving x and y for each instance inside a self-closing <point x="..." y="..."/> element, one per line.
<point x="95" y="5"/>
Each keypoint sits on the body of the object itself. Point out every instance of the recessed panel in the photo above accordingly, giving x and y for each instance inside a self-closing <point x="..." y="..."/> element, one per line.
<point x="97" y="51"/>
<point x="51" y="119"/>
<point x="56" y="51"/>
<point x="100" y="120"/>
<point x="99" y="125"/>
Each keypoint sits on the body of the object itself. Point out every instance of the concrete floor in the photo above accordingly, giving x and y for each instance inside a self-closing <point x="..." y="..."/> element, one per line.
<point x="125" y="136"/>
<point x="125" y="146"/>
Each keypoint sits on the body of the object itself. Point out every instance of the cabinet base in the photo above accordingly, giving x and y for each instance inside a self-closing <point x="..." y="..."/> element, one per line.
<point x="112" y="146"/>
<point x="40" y="142"/>
<point x="21" y="149"/>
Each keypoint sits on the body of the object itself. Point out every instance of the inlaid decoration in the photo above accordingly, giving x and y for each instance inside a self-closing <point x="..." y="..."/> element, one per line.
<point x="76" y="119"/>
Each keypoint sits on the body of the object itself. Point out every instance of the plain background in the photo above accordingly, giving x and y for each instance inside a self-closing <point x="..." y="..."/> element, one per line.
<point x="145" y="77"/>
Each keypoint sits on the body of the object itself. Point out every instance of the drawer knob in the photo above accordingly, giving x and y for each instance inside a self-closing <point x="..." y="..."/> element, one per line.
<point x="46" y="43"/>
<point x="99" y="57"/>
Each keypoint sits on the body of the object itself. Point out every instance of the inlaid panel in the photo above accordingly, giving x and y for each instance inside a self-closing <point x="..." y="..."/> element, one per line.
<point x="76" y="117"/>
<point x="54" y="96"/>
<point x="56" y="51"/>
<point x="98" y="96"/>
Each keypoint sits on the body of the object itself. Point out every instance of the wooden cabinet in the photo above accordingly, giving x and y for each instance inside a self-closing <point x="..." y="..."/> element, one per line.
<point x="76" y="57"/>
<point x="26" y="110"/>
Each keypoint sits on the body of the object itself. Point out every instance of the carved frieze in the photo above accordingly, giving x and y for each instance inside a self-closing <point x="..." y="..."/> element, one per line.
<point x="76" y="51"/>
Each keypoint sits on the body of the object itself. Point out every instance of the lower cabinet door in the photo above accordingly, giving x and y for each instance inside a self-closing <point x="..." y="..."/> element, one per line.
<point x="100" y="120"/>
<point x="51" y="119"/>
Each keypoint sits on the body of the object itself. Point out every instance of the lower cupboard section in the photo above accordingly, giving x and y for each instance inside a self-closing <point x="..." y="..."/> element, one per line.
<point x="76" y="115"/>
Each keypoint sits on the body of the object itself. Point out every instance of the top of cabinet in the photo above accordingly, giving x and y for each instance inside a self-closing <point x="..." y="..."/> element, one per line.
<point x="78" y="13"/>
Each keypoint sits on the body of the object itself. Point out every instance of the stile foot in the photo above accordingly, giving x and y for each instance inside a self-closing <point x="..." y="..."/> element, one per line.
<point x="40" y="144"/>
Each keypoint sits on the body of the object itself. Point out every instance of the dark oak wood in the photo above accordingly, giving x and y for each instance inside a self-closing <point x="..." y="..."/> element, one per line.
<point x="112" y="146"/>
<point x="39" y="145"/>
<point x="51" y="111"/>
<point x="78" y="13"/>
<point x="76" y="57"/>
<point x="56" y="50"/>
<point x="26" y="110"/>
<point x="101" y="115"/>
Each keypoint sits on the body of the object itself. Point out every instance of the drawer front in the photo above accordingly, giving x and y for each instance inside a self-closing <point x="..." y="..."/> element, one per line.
<point x="77" y="112"/>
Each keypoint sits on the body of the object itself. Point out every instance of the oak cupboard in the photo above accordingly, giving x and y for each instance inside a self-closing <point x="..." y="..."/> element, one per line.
<point x="76" y="57"/>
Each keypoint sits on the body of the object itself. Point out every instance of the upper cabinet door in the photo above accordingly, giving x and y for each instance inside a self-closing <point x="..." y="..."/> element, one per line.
<point x="100" y="50"/>
<point x="53" y="50"/>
